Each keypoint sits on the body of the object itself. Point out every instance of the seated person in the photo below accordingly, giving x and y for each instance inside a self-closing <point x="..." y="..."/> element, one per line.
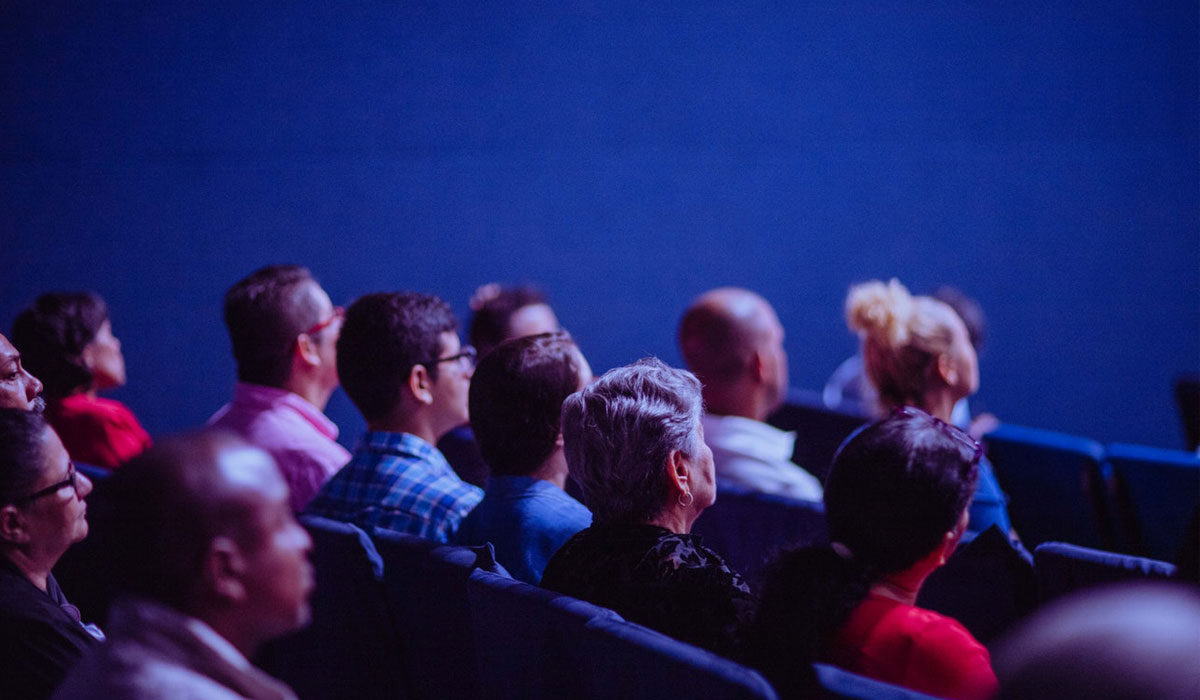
<point x="497" y="314"/>
<point x="401" y="364"/>
<point x="732" y="340"/>
<point x="18" y="388"/>
<point x="42" y="513"/>
<point x="66" y="339"/>
<point x="917" y="353"/>
<point x="210" y="564"/>
<point x="634" y="441"/>
<point x="284" y="331"/>
<point x="515" y="400"/>
<point x="896" y="506"/>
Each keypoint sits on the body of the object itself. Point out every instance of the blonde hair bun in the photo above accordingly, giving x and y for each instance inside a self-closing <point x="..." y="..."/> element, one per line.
<point x="880" y="311"/>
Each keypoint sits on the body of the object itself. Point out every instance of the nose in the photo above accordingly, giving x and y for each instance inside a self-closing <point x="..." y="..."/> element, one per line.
<point x="83" y="485"/>
<point x="33" y="386"/>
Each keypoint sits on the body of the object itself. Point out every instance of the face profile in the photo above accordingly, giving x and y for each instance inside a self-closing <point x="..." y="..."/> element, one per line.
<point x="55" y="508"/>
<point x="103" y="357"/>
<point x="18" y="388"/>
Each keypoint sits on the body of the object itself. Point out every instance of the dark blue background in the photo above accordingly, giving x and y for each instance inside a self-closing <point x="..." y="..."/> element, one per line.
<point x="627" y="155"/>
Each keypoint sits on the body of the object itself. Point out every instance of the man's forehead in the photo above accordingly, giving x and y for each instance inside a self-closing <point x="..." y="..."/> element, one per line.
<point x="7" y="351"/>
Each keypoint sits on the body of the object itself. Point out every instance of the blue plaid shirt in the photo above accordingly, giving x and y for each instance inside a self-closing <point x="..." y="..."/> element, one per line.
<point x="397" y="481"/>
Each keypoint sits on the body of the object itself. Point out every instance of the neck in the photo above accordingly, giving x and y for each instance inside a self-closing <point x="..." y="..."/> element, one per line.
<point x="940" y="405"/>
<point x="675" y="518"/>
<point x="554" y="469"/>
<point x="737" y="399"/>
<point x="36" y="571"/>
<point x="903" y="586"/>
<point x="231" y="626"/>
<point x="413" y="423"/>
<point x="309" y="390"/>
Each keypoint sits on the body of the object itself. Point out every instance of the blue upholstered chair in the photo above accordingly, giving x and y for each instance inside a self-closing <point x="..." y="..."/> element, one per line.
<point x="841" y="684"/>
<point x="1056" y="485"/>
<point x="1158" y="492"/>
<point x="748" y="529"/>
<point x="626" y="660"/>
<point x="1064" y="568"/>
<point x="819" y="430"/>
<point x="350" y="649"/>
<point x="528" y="640"/>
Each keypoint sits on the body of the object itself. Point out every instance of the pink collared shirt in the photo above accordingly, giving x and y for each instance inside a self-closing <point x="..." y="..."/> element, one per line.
<point x="301" y="438"/>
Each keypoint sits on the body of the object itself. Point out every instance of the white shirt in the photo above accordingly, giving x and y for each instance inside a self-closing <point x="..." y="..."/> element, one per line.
<point x="758" y="457"/>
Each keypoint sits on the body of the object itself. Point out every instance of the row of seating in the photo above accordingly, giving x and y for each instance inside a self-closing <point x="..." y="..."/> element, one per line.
<point x="1122" y="497"/>
<point x="395" y="616"/>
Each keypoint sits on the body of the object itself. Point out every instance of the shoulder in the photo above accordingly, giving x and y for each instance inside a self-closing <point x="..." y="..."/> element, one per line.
<point x="947" y="655"/>
<point x="685" y="559"/>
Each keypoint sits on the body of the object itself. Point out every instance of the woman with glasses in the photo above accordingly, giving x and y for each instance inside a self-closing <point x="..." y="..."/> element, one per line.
<point x="895" y="506"/>
<point x="917" y="352"/>
<point x="42" y="513"/>
<point x="66" y="340"/>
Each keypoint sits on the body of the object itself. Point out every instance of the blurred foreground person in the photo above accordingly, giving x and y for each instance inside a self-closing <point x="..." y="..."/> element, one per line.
<point x="42" y="513"/>
<point x="66" y="339"/>
<point x="896" y="507"/>
<point x="634" y="440"/>
<point x="210" y="564"/>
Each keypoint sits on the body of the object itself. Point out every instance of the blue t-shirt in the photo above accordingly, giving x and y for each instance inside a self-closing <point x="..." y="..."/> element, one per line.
<point x="990" y="505"/>
<point x="526" y="520"/>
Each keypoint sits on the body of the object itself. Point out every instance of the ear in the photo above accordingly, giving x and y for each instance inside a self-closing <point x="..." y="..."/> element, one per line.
<point x="306" y="350"/>
<point x="88" y="356"/>
<point x="951" y="539"/>
<point x="946" y="369"/>
<point x="420" y="384"/>
<point x="758" y="367"/>
<point x="678" y="472"/>
<point x="12" y="525"/>
<point x="559" y="443"/>
<point x="223" y="569"/>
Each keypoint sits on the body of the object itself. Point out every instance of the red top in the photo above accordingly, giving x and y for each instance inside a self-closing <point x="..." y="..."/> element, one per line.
<point x="907" y="646"/>
<point x="96" y="431"/>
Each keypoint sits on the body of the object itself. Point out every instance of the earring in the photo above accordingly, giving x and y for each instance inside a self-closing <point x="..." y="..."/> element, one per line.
<point x="689" y="499"/>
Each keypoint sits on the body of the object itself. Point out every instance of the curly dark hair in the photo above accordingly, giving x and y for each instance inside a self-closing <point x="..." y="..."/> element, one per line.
<point x="51" y="335"/>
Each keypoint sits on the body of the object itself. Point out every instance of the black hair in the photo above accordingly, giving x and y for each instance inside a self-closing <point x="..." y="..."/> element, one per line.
<point x="492" y="311"/>
<point x="264" y="313"/>
<point x="21" y="454"/>
<point x="895" y="489"/>
<point x="516" y="400"/>
<point x="383" y="337"/>
<point x="51" y="335"/>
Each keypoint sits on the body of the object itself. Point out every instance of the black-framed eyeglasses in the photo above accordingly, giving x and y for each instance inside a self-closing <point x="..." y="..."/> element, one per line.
<point x="71" y="480"/>
<point x="952" y="431"/>
<point x="467" y="356"/>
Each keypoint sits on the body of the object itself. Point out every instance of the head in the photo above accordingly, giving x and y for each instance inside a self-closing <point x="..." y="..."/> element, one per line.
<point x="503" y="313"/>
<point x="204" y="526"/>
<point x="733" y="341"/>
<point x="630" y="435"/>
<point x="42" y="509"/>
<point x="913" y="347"/>
<point x="18" y="388"/>
<point x="516" y="400"/>
<point x="283" y="328"/>
<point x="66" y="339"/>
<point x="399" y="354"/>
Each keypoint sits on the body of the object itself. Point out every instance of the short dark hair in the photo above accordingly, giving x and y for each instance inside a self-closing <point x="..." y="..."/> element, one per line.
<point x="264" y="313"/>
<point x="20" y="452"/>
<point x="516" y="400"/>
<point x="492" y="312"/>
<point x="383" y="337"/>
<point x="51" y="335"/>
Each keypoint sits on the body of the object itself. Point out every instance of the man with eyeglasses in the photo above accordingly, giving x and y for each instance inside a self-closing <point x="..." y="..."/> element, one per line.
<point x="401" y="363"/>
<point x="284" y="331"/>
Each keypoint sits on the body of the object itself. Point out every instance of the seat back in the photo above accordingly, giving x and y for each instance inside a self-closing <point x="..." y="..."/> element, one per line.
<point x="626" y="660"/>
<point x="350" y="649"/>
<point x="1055" y="484"/>
<point x="748" y="529"/>
<point x="528" y="640"/>
<point x="1064" y="568"/>
<point x="819" y="430"/>
<point x="1158" y="490"/>
<point x="1187" y="398"/>
<point x="841" y="684"/>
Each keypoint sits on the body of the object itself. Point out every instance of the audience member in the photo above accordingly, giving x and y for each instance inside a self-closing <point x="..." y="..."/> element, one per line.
<point x="18" y="388"/>
<point x="634" y="440"/>
<point x="896" y="506"/>
<point x="210" y="564"/>
<point x="66" y="339"/>
<point x="284" y="331"/>
<point x="917" y="352"/>
<point x="515" y="403"/>
<point x="732" y="340"/>
<point x="1123" y="642"/>
<point x="401" y="364"/>
<point x="42" y="513"/>
<point x="497" y="314"/>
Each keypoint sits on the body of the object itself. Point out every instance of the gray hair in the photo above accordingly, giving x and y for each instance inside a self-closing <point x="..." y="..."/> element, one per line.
<point x="619" y="432"/>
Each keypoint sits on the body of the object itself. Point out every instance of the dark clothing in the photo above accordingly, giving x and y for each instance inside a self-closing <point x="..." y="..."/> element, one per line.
<point x="39" y="638"/>
<point x="654" y="577"/>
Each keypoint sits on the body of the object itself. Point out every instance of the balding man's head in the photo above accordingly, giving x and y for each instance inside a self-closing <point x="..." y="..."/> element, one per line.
<point x="730" y="336"/>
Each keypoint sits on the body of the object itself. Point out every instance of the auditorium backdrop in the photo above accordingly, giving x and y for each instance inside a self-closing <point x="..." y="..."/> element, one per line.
<point x="625" y="155"/>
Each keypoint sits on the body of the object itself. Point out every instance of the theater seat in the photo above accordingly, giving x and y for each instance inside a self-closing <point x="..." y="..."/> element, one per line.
<point x="1158" y="490"/>
<point x="1064" y="568"/>
<point x="841" y="684"/>
<point x="350" y="649"/>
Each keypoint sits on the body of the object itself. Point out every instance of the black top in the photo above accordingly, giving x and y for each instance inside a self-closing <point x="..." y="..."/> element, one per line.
<point x="654" y="577"/>
<point x="40" y="639"/>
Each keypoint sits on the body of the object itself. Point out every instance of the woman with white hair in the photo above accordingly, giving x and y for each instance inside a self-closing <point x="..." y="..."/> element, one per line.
<point x="634" y="442"/>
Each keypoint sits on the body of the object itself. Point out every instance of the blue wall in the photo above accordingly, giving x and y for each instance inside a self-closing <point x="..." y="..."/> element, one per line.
<point x="627" y="155"/>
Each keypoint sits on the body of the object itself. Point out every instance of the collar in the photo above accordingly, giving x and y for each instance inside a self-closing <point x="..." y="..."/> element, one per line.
<point x="144" y="618"/>
<point x="269" y="397"/>
<point x="403" y="445"/>
<point x="748" y="436"/>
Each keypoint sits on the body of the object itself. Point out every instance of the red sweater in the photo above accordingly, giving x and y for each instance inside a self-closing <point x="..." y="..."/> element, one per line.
<point x="96" y="431"/>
